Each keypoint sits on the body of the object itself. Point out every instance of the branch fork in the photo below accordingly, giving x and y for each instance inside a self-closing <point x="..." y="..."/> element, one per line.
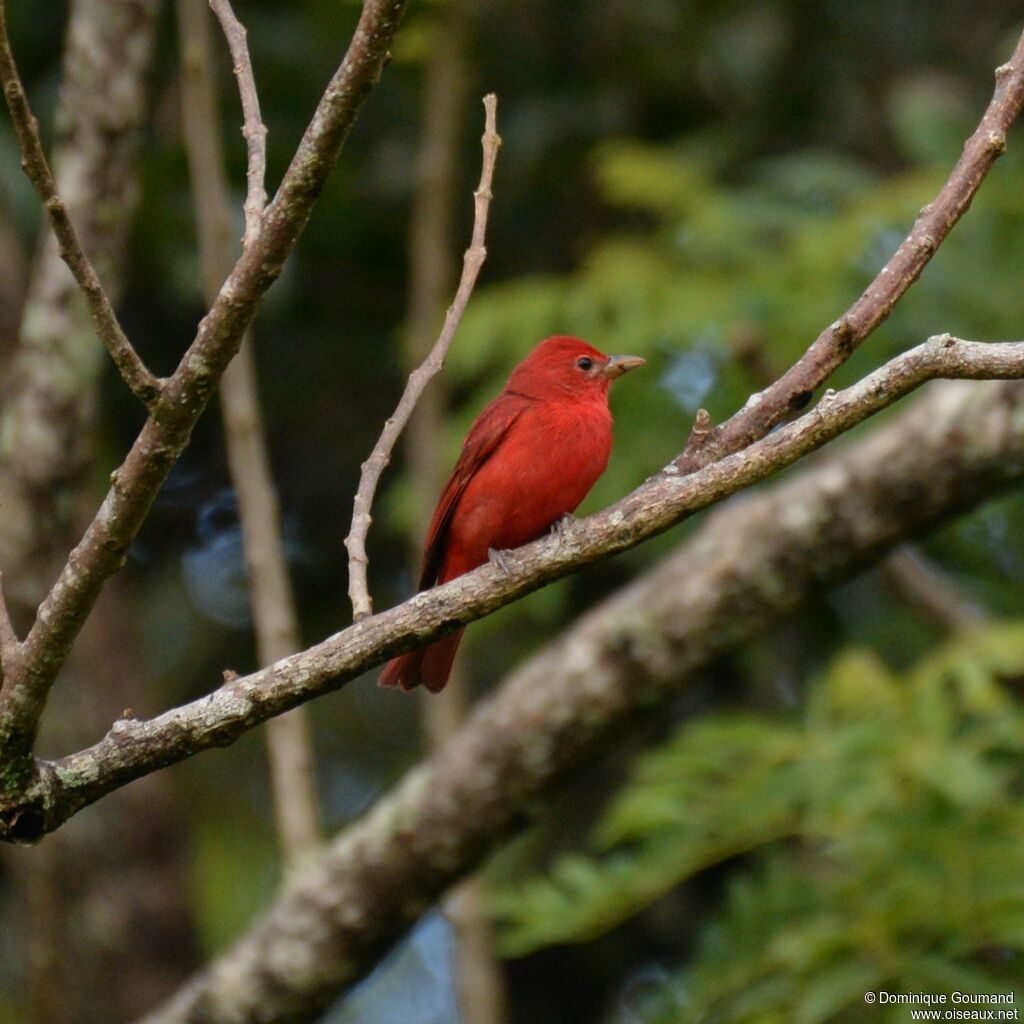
<point x="176" y="403"/>
<point x="837" y="342"/>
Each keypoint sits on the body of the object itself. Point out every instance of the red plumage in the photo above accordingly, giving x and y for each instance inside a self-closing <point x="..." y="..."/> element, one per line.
<point x="529" y="459"/>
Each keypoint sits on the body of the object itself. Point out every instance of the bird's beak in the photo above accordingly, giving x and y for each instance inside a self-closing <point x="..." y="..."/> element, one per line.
<point x="618" y="365"/>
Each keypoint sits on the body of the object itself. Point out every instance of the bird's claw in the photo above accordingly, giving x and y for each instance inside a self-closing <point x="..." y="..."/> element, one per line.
<point x="496" y="557"/>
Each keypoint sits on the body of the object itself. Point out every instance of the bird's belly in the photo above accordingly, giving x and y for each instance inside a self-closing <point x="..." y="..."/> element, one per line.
<point x="540" y="476"/>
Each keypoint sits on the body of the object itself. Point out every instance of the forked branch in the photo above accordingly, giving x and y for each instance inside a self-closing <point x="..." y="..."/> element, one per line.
<point x="633" y="653"/>
<point x="185" y="394"/>
<point x="795" y="388"/>
<point x="133" y="748"/>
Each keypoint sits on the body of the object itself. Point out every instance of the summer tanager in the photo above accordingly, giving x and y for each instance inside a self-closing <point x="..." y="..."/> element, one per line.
<point x="530" y="458"/>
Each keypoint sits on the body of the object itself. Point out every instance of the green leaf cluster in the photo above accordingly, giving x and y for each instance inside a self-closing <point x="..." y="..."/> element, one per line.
<point x="881" y="834"/>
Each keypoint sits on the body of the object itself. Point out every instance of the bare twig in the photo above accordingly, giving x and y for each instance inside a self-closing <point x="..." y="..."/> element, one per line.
<point x="478" y="972"/>
<point x="253" y="129"/>
<point x="931" y="590"/>
<point x="142" y="383"/>
<point x="13" y="275"/>
<point x="9" y="643"/>
<point x="635" y="652"/>
<point x="795" y="388"/>
<point x="274" y="614"/>
<point x="362" y="604"/>
<point x="135" y="748"/>
<point x="185" y="394"/>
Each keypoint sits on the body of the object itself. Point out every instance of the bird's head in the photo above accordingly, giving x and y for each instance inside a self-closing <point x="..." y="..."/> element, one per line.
<point x="562" y="366"/>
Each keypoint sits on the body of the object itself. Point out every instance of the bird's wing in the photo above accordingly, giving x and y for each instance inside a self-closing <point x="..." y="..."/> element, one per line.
<point x="486" y="434"/>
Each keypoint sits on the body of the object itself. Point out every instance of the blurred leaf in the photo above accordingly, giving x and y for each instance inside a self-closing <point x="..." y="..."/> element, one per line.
<point x="883" y="832"/>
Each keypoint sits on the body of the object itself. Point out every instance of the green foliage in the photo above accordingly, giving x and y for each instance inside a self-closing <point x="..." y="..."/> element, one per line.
<point x="883" y="833"/>
<point x="661" y="830"/>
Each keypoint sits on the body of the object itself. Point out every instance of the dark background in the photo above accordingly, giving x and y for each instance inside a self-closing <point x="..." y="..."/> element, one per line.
<point x="704" y="184"/>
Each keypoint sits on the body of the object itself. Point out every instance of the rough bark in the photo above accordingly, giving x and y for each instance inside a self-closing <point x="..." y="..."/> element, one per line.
<point x="133" y="748"/>
<point x="754" y="561"/>
<point x="47" y="421"/>
<point x="111" y="887"/>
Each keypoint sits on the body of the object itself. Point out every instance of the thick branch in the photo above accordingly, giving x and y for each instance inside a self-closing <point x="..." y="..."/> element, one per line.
<point x="253" y="129"/>
<point x="358" y="592"/>
<point x="753" y="562"/>
<point x="102" y="549"/>
<point x="794" y="389"/>
<point x="134" y="748"/>
<point x="142" y="383"/>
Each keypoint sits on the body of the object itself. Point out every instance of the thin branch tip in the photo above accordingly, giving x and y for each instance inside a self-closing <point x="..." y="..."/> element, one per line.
<point x="791" y="392"/>
<point x="373" y="467"/>
<point x="254" y="131"/>
<point x="8" y="637"/>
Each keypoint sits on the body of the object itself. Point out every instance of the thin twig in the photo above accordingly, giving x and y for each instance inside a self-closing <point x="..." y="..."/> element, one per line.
<point x="9" y="643"/>
<point x="132" y="369"/>
<point x="136" y="748"/>
<point x="362" y="604"/>
<point x="479" y="978"/>
<point x="795" y="388"/>
<point x="253" y="129"/>
<point x="275" y="618"/>
<point x="933" y="592"/>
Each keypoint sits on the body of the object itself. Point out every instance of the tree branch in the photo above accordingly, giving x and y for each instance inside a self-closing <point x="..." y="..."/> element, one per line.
<point x="135" y="748"/>
<point x="275" y="619"/>
<point x="479" y="978"/>
<point x="48" y="418"/>
<point x="184" y="395"/>
<point x="141" y="382"/>
<point x="931" y="591"/>
<point x="9" y="643"/>
<point x="253" y="129"/>
<point x="795" y="388"/>
<point x="358" y="591"/>
<point x="751" y="563"/>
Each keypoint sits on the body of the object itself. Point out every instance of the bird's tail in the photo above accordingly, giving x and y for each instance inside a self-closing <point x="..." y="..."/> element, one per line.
<point x="429" y="667"/>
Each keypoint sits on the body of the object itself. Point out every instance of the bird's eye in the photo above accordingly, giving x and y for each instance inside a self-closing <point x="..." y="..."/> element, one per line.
<point x="584" y="362"/>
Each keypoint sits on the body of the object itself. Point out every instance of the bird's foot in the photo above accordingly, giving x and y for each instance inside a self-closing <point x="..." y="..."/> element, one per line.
<point x="496" y="557"/>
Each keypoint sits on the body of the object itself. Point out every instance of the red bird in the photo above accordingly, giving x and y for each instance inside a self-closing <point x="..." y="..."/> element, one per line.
<point x="530" y="458"/>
